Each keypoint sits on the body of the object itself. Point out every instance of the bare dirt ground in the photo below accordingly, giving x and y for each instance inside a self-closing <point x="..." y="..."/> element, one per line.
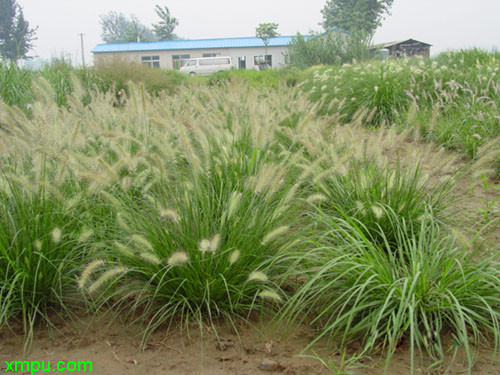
<point x="114" y="349"/>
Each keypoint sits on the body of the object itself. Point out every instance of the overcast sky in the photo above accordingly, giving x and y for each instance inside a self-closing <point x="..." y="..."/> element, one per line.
<point x="443" y="23"/>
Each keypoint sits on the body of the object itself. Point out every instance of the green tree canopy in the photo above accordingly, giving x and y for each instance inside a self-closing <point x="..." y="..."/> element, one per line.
<point x="16" y="36"/>
<point x="334" y="48"/>
<point x="117" y="28"/>
<point x="164" y="30"/>
<point x="266" y="31"/>
<point x="355" y="15"/>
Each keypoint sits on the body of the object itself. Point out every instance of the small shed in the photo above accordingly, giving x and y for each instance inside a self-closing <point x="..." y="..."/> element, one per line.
<point x="405" y="48"/>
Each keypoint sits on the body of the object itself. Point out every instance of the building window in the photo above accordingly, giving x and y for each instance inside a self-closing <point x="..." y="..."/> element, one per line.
<point x="211" y="54"/>
<point x="219" y="61"/>
<point x="258" y="60"/>
<point x="179" y="60"/>
<point x="242" y="62"/>
<point x="151" y="61"/>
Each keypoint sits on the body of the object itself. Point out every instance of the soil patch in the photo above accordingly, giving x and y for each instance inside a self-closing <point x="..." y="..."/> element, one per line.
<point x="114" y="349"/>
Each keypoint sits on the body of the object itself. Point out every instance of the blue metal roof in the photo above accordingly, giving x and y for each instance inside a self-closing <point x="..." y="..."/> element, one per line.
<point x="279" y="41"/>
<point x="192" y="44"/>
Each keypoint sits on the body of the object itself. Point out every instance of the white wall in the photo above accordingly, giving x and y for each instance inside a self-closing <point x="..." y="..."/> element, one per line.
<point x="278" y="54"/>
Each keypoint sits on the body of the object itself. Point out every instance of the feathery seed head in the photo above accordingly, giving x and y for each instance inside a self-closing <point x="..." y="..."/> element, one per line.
<point x="377" y="211"/>
<point x="258" y="276"/>
<point x="314" y="198"/>
<point x="38" y="245"/>
<point x="120" y="219"/>
<point x="124" y="249"/>
<point x="233" y="203"/>
<point x="215" y="243"/>
<point x="85" y="234"/>
<point x="107" y="276"/>
<point x="169" y="214"/>
<point x="140" y="240"/>
<point x="72" y="202"/>
<point x="235" y="255"/>
<point x="342" y="170"/>
<point x="125" y="183"/>
<point x="56" y="235"/>
<point x="87" y="271"/>
<point x="204" y="245"/>
<point x="391" y="181"/>
<point x="178" y="258"/>
<point x="271" y="295"/>
<point x="150" y="257"/>
<point x="273" y="234"/>
<point x="269" y="178"/>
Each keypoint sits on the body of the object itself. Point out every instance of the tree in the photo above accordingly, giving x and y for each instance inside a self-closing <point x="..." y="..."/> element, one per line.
<point x="355" y="15"/>
<point x="164" y="30"/>
<point x="137" y="32"/>
<point x="117" y="28"/>
<point x="16" y="36"/>
<point x="266" y="31"/>
<point x="334" y="48"/>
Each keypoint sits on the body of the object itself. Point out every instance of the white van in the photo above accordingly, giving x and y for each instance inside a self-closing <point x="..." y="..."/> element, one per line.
<point x="207" y="65"/>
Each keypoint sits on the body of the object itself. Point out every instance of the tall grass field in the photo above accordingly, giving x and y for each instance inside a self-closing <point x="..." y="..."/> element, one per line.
<point x="331" y="197"/>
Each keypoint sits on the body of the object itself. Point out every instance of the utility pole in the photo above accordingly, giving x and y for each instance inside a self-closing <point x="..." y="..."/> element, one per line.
<point x="83" y="53"/>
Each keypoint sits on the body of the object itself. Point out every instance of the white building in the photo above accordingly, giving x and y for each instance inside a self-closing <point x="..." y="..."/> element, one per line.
<point x="245" y="52"/>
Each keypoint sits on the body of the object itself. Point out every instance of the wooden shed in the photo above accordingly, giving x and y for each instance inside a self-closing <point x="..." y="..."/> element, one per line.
<point x="405" y="48"/>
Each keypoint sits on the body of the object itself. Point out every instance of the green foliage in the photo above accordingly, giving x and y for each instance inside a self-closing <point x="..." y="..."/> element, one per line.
<point x="15" y="85"/>
<point x="63" y="77"/>
<point x="16" y="36"/>
<point x="39" y="255"/>
<point x="355" y="15"/>
<point x="181" y="200"/>
<point x="347" y="365"/>
<point x="117" y="28"/>
<point x="117" y="74"/>
<point x="203" y="214"/>
<point x="164" y="30"/>
<point x="260" y="79"/>
<point x="452" y="99"/>
<point x="266" y="31"/>
<point x="373" y="86"/>
<point x="426" y="286"/>
<point x="332" y="48"/>
<point x="367" y="191"/>
<point x="198" y="249"/>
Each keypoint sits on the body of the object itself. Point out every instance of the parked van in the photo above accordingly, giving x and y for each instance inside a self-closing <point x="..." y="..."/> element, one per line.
<point x="207" y="65"/>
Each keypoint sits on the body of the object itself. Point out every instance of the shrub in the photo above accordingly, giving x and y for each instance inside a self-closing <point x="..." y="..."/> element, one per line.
<point x="117" y="73"/>
<point x="368" y="190"/>
<point x="40" y="255"/>
<point x="334" y="48"/>
<point x="379" y="87"/>
<point x="358" y="289"/>
<point x="204" y="210"/>
<point x="15" y="85"/>
<point x="195" y="252"/>
<point x="258" y="79"/>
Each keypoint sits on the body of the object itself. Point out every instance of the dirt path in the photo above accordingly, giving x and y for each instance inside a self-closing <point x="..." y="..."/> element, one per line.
<point x="114" y="349"/>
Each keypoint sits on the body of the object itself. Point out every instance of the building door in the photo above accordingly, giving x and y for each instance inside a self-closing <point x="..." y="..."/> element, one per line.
<point x="242" y="62"/>
<point x="177" y="61"/>
<point x="269" y="60"/>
